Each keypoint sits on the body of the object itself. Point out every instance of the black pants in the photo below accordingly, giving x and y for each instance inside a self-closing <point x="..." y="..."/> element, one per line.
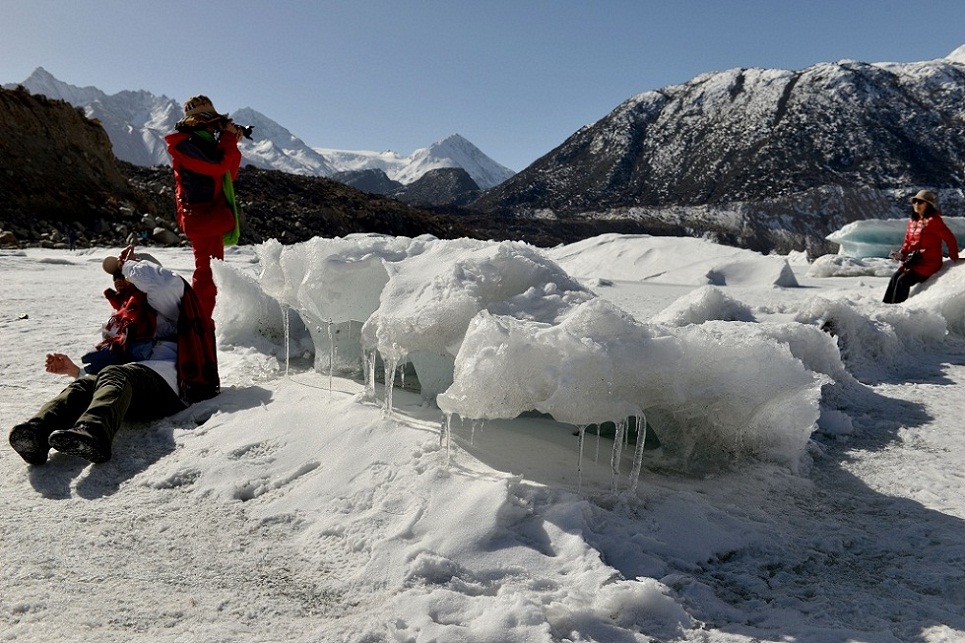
<point x="901" y="282"/>
<point x="104" y="399"/>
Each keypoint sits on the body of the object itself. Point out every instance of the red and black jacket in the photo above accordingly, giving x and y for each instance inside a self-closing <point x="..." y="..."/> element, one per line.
<point x="200" y="163"/>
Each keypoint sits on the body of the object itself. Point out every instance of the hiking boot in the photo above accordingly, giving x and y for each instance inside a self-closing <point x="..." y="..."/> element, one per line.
<point x="29" y="440"/>
<point x="85" y="440"/>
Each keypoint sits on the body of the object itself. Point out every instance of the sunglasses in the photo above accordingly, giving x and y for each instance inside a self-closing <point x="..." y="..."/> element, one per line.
<point x="917" y="201"/>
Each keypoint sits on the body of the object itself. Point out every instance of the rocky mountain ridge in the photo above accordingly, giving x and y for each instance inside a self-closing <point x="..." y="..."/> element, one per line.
<point x="760" y="158"/>
<point x="58" y="174"/>
<point x="137" y="121"/>
<point x="763" y="158"/>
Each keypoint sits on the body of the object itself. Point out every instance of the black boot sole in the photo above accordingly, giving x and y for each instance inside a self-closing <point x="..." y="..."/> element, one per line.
<point x="27" y="444"/>
<point x="72" y="443"/>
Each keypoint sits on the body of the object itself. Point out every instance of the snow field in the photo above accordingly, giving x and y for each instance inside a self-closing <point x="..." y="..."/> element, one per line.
<point x="315" y="506"/>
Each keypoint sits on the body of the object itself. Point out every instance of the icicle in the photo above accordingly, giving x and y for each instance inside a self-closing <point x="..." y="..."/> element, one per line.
<point x="596" y="458"/>
<point x="617" y="454"/>
<point x="579" y="465"/>
<point x="638" y="453"/>
<point x="390" y="366"/>
<point x="331" y="357"/>
<point x="445" y="435"/>
<point x="368" y="359"/>
<point x="284" y="316"/>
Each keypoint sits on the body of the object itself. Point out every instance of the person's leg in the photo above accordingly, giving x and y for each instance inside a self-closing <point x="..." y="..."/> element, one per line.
<point x="30" y="439"/>
<point x="904" y="284"/>
<point x="125" y="390"/>
<point x="900" y="285"/>
<point x="205" y="249"/>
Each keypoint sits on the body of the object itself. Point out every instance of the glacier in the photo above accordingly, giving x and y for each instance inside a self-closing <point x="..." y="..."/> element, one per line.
<point x="878" y="237"/>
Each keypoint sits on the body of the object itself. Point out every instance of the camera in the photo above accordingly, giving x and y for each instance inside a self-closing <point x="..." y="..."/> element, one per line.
<point x="244" y="129"/>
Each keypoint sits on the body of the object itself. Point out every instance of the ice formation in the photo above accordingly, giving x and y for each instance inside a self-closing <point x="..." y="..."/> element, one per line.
<point x="878" y="237"/>
<point x="493" y="330"/>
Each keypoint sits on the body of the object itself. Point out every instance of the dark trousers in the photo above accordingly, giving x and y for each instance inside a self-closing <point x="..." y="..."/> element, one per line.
<point x="900" y="284"/>
<point x="122" y="391"/>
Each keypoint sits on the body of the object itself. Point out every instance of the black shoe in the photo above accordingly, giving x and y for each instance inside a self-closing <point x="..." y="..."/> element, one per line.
<point x="84" y="440"/>
<point x="29" y="440"/>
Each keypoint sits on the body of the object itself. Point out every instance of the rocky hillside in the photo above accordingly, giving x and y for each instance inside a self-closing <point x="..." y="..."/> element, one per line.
<point x="372" y="180"/>
<point x="761" y="157"/>
<point x="293" y="208"/>
<point x="443" y="186"/>
<point x="58" y="172"/>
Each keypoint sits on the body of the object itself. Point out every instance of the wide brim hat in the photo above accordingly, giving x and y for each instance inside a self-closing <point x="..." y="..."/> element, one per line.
<point x="926" y="195"/>
<point x="199" y="110"/>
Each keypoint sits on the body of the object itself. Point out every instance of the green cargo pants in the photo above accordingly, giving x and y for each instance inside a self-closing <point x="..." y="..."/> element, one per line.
<point x="131" y="391"/>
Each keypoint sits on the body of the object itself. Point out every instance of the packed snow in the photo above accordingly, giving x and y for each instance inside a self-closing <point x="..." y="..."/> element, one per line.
<point x="629" y="438"/>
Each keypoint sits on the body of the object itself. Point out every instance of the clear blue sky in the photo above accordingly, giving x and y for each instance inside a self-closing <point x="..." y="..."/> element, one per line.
<point x="515" y="77"/>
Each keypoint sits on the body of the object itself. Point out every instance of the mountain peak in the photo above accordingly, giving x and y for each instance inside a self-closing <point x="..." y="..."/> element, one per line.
<point x="43" y="82"/>
<point x="452" y="139"/>
<point x="455" y="151"/>
<point x="957" y="56"/>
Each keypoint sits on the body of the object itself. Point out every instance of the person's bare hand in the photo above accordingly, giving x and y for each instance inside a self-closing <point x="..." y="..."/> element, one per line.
<point x="60" y="364"/>
<point x="126" y="254"/>
<point x="231" y="128"/>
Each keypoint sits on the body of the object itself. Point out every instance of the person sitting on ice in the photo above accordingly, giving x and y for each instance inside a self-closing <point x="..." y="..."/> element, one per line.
<point x="920" y="255"/>
<point x="181" y="368"/>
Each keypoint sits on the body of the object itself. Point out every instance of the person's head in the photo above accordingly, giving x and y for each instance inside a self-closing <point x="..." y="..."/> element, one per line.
<point x="925" y="203"/>
<point x="199" y="113"/>
<point x="112" y="266"/>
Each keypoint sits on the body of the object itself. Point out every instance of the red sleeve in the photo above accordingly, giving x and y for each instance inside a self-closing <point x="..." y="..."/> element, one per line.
<point x="115" y="299"/>
<point x="232" y="156"/>
<point x="949" y="238"/>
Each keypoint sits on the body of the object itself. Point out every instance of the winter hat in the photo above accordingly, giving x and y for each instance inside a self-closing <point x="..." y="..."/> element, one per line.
<point x="925" y="195"/>
<point x="199" y="110"/>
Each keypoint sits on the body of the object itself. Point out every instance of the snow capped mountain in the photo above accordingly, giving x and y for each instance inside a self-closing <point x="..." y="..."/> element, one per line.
<point x="275" y="148"/>
<point x="43" y="82"/>
<point x="455" y="151"/>
<point x="451" y="152"/>
<point x="137" y="121"/>
<point x="765" y="158"/>
<point x="391" y="163"/>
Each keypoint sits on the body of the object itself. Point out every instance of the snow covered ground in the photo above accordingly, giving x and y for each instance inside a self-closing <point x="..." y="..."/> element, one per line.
<point x="808" y="485"/>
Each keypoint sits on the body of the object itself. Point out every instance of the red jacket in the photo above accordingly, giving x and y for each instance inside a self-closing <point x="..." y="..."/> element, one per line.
<point x="926" y="236"/>
<point x="133" y="320"/>
<point x="200" y="164"/>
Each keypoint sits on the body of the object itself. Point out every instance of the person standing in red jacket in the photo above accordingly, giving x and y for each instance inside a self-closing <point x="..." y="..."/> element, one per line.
<point x="921" y="253"/>
<point x="205" y="157"/>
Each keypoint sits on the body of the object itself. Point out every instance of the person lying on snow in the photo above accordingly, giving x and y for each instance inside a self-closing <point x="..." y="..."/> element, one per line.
<point x="128" y="335"/>
<point x="181" y="368"/>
